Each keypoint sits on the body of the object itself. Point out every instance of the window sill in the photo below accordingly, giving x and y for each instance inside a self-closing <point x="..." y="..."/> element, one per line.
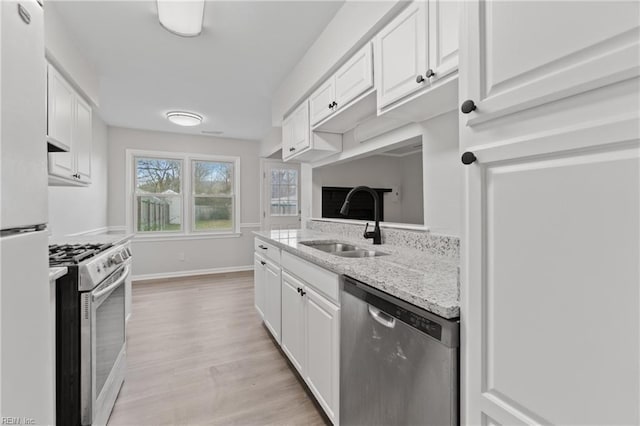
<point x="185" y="237"/>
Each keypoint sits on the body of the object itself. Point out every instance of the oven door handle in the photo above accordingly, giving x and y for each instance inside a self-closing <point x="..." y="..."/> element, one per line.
<point x="97" y="295"/>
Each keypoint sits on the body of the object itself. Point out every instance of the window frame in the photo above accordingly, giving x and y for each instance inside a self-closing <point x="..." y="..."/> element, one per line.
<point x="186" y="194"/>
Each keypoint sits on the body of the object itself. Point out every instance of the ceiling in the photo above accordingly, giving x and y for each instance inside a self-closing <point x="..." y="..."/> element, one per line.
<point x="228" y="74"/>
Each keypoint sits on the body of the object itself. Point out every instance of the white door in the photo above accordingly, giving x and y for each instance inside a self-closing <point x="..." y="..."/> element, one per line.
<point x="323" y="351"/>
<point x="23" y="159"/>
<point x="400" y="55"/>
<point x="444" y="27"/>
<point x="259" y="276"/>
<point x="272" y="299"/>
<point x="321" y="101"/>
<point x="354" y="77"/>
<point x="293" y="317"/>
<point x="281" y="195"/>
<point x="82" y="137"/>
<point x="562" y="48"/>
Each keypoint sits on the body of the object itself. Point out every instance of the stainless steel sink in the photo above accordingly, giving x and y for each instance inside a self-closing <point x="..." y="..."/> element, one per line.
<point x="342" y="249"/>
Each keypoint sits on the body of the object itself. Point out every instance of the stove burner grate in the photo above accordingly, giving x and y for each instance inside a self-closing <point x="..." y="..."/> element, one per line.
<point x="73" y="253"/>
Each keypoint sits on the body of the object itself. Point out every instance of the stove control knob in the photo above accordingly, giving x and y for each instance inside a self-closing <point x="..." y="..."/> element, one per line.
<point x="117" y="258"/>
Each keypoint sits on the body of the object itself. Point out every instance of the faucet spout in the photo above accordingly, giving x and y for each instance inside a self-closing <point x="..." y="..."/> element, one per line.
<point x="375" y="234"/>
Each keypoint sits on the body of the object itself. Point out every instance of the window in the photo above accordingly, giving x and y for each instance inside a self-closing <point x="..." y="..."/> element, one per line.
<point x="212" y="195"/>
<point x="284" y="192"/>
<point x="158" y="194"/>
<point x="183" y="194"/>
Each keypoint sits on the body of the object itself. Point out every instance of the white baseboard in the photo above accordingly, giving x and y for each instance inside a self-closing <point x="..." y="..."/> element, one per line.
<point x="180" y="274"/>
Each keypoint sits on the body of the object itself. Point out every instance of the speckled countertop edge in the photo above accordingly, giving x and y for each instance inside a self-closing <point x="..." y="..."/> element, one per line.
<point x="425" y="280"/>
<point x="57" y="272"/>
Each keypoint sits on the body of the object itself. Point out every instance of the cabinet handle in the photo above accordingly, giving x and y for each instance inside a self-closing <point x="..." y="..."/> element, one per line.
<point x="299" y="290"/>
<point x="334" y="104"/>
<point x="330" y="105"/>
<point x="468" y="106"/>
<point x="430" y="73"/>
<point x="419" y="79"/>
<point x="292" y="149"/>
<point x="302" y="292"/>
<point x="468" y="158"/>
<point x="263" y="247"/>
<point x="263" y="262"/>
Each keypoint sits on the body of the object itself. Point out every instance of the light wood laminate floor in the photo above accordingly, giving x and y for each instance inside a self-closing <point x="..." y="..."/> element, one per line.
<point x="198" y="354"/>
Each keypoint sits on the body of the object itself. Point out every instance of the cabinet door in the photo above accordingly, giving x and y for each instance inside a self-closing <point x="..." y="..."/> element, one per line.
<point x="82" y="138"/>
<point x="61" y="113"/>
<point x="272" y="310"/>
<point x="293" y="321"/>
<point x="321" y="101"/>
<point x="300" y="133"/>
<point x="558" y="54"/>
<point x="354" y="77"/>
<point x="322" y="350"/>
<point x="259" y="284"/>
<point x="60" y="108"/>
<point x="444" y="27"/>
<point x="550" y="269"/>
<point x="401" y="55"/>
<point x="287" y="138"/>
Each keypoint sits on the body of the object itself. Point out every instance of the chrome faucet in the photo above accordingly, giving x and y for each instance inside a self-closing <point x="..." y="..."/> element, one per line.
<point x="375" y="235"/>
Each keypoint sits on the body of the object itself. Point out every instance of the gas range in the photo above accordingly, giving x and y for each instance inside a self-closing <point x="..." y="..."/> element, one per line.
<point x="94" y="261"/>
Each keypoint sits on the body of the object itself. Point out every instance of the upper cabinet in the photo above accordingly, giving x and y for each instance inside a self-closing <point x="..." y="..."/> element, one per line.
<point x="550" y="65"/>
<point x="401" y="55"/>
<point x="69" y="128"/>
<point x="299" y="142"/>
<point x="60" y="97"/>
<point x="350" y="81"/>
<point x="416" y="49"/>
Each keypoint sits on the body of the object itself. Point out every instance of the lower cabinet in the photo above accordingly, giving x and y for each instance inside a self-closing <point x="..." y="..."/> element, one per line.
<point x="272" y="299"/>
<point x="311" y="340"/>
<point x="259" y="283"/>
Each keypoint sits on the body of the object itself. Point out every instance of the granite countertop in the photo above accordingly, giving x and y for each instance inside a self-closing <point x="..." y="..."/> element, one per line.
<point x="57" y="272"/>
<point x="113" y="239"/>
<point x="423" y="279"/>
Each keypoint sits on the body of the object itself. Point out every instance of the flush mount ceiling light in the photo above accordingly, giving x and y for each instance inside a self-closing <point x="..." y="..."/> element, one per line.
<point x="183" y="118"/>
<point x="183" y="18"/>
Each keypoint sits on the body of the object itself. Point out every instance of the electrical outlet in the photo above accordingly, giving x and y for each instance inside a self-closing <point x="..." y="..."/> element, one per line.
<point x="181" y="257"/>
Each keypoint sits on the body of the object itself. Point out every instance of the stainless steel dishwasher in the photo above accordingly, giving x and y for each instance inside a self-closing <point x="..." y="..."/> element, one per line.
<point x="398" y="363"/>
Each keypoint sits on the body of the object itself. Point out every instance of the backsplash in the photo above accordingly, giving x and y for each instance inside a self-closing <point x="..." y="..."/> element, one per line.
<point x="440" y="245"/>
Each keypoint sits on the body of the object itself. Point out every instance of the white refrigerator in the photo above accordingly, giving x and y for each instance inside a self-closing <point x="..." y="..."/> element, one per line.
<point x="26" y="341"/>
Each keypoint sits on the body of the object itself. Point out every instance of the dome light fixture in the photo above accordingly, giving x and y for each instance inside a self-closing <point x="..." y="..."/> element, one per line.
<point x="183" y="18"/>
<point x="183" y="118"/>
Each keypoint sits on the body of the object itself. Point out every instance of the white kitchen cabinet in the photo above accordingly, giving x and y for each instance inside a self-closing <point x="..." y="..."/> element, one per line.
<point x="259" y="277"/>
<point x="514" y="62"/>
<point x="60" y="111"/>
<point x="400" y="55"/>
<point x="354" y="77"/>
<point x="272" y="299"/>
<point x="322" y="330"/>
<point x="296" y="134"/>
<point x="70" y="122"/>
<point x="443" y="33"/>
<point x="293" y="329"/>
<point x="321" y="101"/>
<point x="311" y="339"/>
<point x="552" y="214"/>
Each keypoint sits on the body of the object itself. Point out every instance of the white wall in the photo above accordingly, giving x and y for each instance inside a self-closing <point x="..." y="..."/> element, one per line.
<point x="62" y="52"/>
<point x="443" y="174"/>
<point x="271" y="143"/>
<point x="378" y="172"/>
<point x="355" y="23"/>
<point x="162" y="258"/>
<point x="74" y="210"/>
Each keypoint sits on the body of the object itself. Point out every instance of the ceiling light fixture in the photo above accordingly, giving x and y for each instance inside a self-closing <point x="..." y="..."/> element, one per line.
<point x="183" y="18"/>
<point x="183" y="118"/>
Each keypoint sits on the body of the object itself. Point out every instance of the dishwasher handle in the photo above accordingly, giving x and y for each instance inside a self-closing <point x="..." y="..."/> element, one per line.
<point x="381" y="317"/>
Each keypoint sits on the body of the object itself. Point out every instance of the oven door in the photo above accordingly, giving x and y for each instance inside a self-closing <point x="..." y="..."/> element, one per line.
<point x="103" y="346"/>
